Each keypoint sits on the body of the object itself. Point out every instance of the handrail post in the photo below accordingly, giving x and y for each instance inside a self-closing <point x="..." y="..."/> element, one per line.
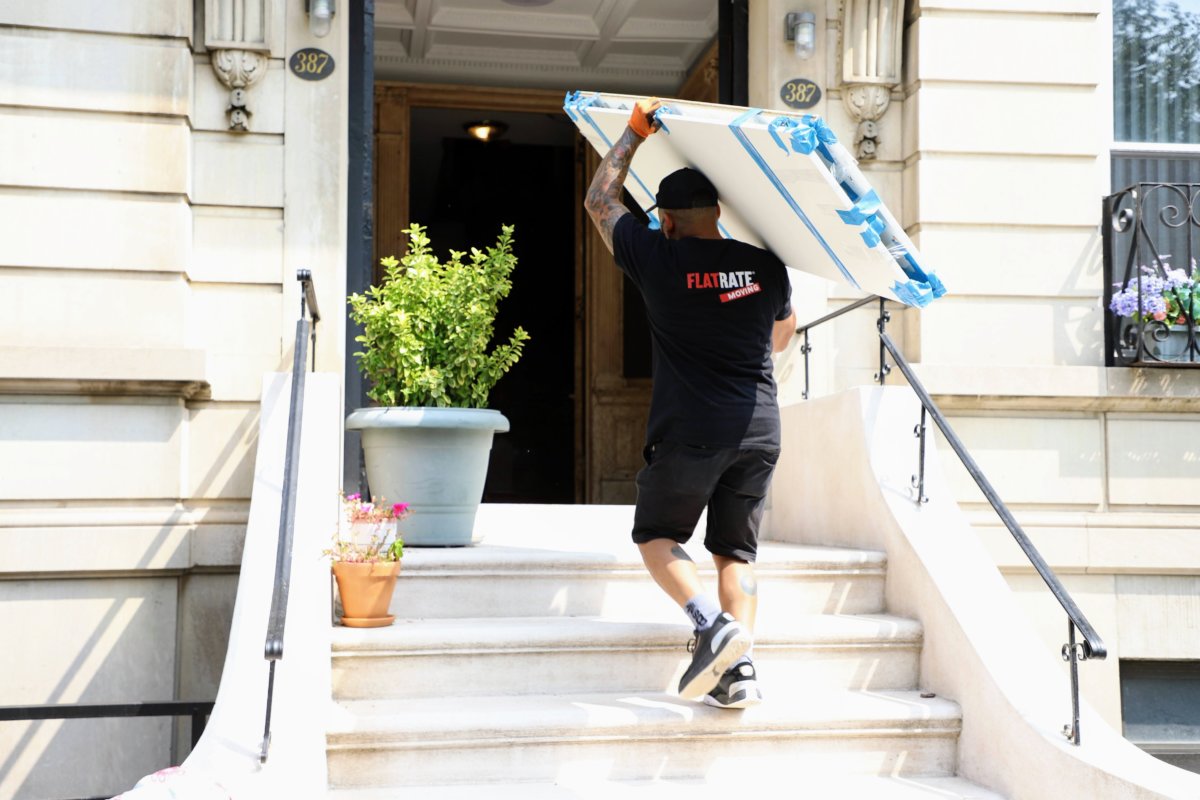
<point x="918" y="480"/>
<point x="805" y="348"/>
<point x="881" y="325"/>
<point x="1070" y="652"/>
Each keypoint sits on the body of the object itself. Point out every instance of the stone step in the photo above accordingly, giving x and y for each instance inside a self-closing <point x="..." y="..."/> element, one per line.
<point x="605" y="578"/>
<point x="815" y="787"/>
<point x="638" y="736"/>
<point x="560" y="655"/>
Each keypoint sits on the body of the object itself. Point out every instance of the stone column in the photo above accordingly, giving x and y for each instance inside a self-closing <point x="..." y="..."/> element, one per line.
<point x="872" y="54"/>
<point x="236" y="33"/>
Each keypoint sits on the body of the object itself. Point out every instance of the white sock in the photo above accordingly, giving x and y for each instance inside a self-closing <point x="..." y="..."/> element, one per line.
<point x="745" y="659"/>
<point x="703" y="611"/>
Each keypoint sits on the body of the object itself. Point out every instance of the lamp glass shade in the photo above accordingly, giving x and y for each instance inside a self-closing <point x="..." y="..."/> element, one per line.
<point x="804" y="35"/>
<point x="320" y="17"/>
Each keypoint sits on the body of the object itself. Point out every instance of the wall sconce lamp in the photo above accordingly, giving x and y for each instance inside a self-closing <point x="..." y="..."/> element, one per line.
<point x="320" y="16"/>
<point x="486" y="130"/>
<point x="800" y="28"/>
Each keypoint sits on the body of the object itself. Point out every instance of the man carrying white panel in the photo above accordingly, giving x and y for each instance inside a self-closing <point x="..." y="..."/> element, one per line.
<point x="717" y="308"/>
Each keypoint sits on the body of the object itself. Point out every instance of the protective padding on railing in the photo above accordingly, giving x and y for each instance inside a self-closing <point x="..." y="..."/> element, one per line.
<point x="785" y="183"/>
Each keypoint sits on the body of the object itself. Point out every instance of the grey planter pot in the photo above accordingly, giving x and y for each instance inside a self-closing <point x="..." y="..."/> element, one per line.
<point x="436" y="460"/>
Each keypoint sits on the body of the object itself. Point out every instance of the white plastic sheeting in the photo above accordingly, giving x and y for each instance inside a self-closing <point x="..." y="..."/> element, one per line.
<point x="784" y="181"/>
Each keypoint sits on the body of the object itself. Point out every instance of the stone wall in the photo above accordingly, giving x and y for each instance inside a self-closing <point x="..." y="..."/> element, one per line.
<point x="147" y="269"/>
<point x="995" y="155"/>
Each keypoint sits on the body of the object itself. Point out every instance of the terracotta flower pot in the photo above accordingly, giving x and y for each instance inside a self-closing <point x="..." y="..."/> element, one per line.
<point x="366" y="590"/>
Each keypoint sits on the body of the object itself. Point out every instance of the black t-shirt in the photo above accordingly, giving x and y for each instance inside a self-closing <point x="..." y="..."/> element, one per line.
<point x="712" y="306"/>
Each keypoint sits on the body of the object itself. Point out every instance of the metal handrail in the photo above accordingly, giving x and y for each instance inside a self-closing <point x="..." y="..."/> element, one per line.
<point x="1092" y="646"/>
<point x="199" y="711"/>
<point x="273" y="649"/>
<point x="806" y="348"/>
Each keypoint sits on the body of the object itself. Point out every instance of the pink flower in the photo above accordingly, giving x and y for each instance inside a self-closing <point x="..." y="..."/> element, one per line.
<point x="353" y="497"/>
<point x="399" y="509"/>
<point x="1160" y="315"/>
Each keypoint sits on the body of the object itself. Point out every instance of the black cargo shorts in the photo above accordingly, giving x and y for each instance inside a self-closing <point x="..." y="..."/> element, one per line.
<point x="680" y="480"/>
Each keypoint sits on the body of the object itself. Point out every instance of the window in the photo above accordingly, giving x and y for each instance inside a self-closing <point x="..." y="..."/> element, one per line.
<point x="1156" y="91"/>
<point x="1160" y="709"/>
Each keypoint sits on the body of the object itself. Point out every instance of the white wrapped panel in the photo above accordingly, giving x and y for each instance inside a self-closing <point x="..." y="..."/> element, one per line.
<point x="784" y="184"/>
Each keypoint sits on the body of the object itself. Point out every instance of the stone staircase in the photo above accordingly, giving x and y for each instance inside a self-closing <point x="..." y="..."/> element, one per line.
<point x="541" y="664"/>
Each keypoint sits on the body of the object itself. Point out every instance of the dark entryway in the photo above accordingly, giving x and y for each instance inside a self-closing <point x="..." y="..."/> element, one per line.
<point x="463" y="190"/>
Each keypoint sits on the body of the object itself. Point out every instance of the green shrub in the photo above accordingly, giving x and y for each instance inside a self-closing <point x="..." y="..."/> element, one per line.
<point x="426" y="328"/>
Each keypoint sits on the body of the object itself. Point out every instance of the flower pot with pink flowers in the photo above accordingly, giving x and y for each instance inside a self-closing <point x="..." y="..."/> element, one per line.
<point x="365" y="556"/>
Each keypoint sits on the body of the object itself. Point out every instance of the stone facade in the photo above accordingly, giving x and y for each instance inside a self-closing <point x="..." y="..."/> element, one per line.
<point x="146" y="283"/>
<point x="994" y="153"/>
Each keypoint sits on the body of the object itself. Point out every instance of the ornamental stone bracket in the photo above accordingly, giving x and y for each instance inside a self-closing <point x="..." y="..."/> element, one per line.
<point x="235" y="33"/>
<point x="872" y="59"/>
<point x="239" y="70"/>
<point x="866" y="104"/>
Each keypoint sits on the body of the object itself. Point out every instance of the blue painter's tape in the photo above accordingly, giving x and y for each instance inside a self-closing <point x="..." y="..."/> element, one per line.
<point x="863" y="209"/>
<point x="876" y="225"/>
<point x="936" y="285"/>
<point x="913" y="293"/>
<point x="773" y="129"/>
<point x="658" y="117"/>
<point x="654" y="223"/>
<point x="723" y="230"/>
<point x="810" y="135"/>
<point x="740" y="135"/>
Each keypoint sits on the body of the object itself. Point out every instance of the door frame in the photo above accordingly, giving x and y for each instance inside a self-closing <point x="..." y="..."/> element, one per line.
<point x="394" y="101"/>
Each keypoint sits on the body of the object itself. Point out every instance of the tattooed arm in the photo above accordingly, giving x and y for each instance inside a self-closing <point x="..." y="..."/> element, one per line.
<point x="603" y="201"/>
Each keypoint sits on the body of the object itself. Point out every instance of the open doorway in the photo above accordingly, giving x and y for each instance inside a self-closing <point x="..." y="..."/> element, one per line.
<point x="464" y="189"/>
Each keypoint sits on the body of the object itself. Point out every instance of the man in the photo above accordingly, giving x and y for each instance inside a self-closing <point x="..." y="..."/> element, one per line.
<point x="717" y="308"/>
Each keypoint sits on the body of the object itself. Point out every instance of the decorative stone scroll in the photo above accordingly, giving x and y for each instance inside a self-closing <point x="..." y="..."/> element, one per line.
<point x="235" y="33"/>
<point x="872" y="59"/>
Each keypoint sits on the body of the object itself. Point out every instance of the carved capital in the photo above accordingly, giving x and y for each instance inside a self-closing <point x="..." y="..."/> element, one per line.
<point x="238" y="70"/>
<point x="866" y="104"/>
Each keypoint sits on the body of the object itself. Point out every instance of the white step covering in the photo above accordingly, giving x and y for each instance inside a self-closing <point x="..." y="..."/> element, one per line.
<point x="749" y="787"/>
<point x="784" y="181"/>
<point x="637" y="735"/>
<point x="568" y="654"/>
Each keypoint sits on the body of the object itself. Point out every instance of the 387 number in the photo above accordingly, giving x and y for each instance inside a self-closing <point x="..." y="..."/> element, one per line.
<point x="800" y="93"/>
<point x="311" y="64"/>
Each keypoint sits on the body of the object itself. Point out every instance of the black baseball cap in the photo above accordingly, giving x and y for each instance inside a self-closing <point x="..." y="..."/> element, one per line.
<point x="685" y="188"/>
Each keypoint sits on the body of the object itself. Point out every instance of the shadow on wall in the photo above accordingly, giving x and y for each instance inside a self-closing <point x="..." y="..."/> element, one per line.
<point x="149" y="634"/>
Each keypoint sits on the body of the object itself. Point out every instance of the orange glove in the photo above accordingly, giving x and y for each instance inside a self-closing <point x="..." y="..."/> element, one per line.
<point x="642" y="119"/>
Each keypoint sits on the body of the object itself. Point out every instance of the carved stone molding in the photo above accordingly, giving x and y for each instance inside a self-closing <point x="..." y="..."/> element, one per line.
<point x="872" y="59"/>
<point x="236" y="36"/>
<point x="239" y="70"/>
<point x="866" y="103"/>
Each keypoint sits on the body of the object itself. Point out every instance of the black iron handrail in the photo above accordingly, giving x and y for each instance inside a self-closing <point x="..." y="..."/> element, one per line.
<point x="197" y="710"/>
<point x="806" y="348"/>
<point x="1092" y="646"/>
<point x="273" y="649"/>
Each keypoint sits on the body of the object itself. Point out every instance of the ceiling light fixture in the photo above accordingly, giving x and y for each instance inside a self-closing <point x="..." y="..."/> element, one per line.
<point x="486" y="130"/>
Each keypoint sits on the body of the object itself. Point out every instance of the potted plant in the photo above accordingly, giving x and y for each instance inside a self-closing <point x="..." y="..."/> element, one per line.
<point x="1163" y="307"/>
<point x="366" y="554"/>
<point x="426" y="332"/>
